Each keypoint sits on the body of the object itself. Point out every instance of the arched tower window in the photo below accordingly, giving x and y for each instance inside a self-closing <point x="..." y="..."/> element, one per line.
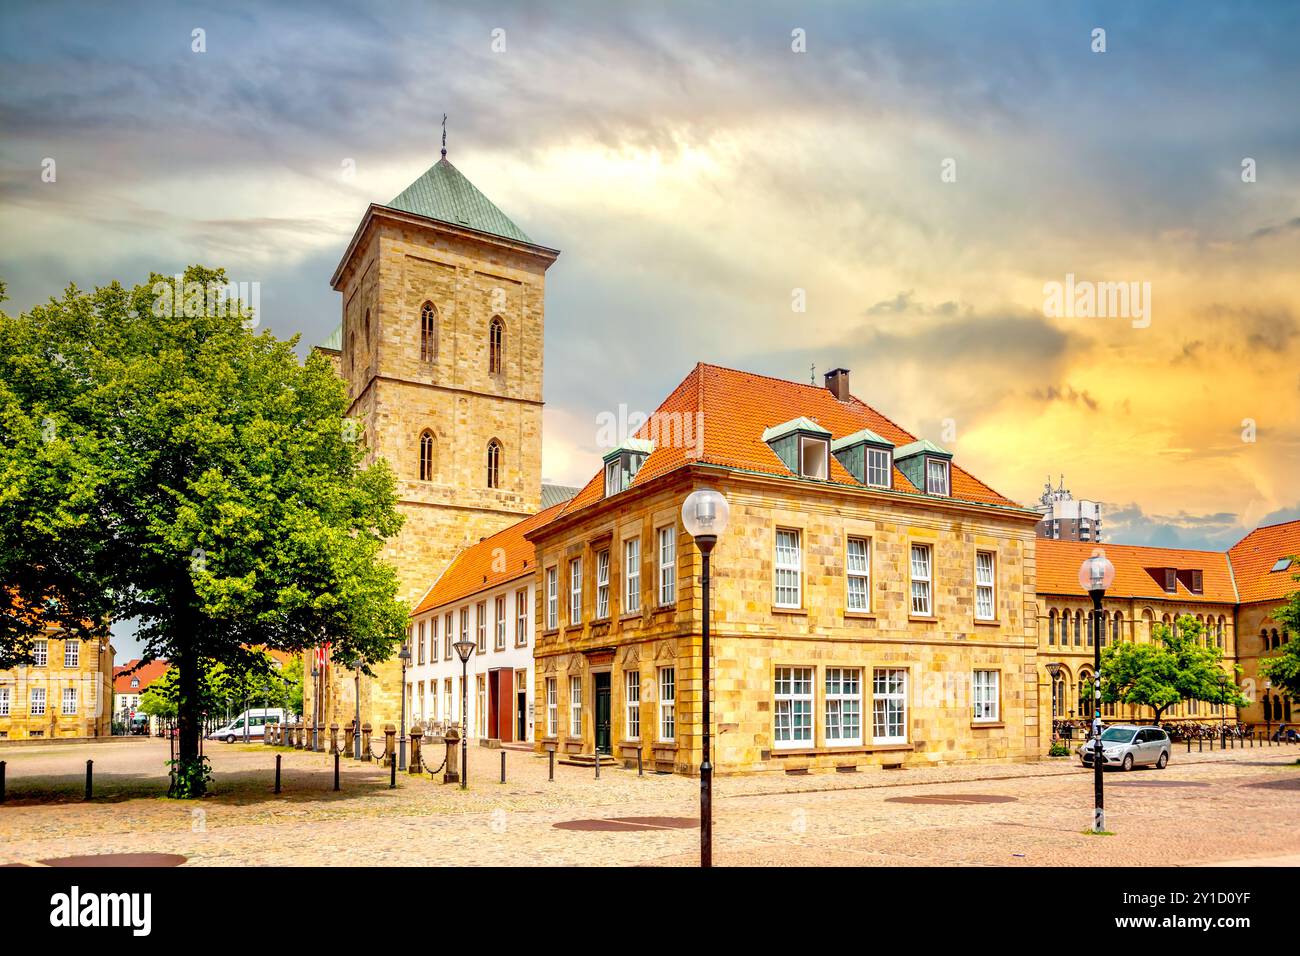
<point x="1078" y="628"/>
<point x="426" y="455"/>
<point x="494" y="464"/>
<point x="496" y="345"/>
<point x="1051" y="626"/>
<point x="428" y="332"/>
<point x="1114" y="627"/>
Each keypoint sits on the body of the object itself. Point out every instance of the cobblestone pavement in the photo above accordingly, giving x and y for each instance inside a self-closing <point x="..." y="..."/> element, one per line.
<point x="1239" y="807"/>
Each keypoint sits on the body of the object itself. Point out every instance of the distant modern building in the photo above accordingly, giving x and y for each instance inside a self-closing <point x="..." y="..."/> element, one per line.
<point x="1065" y="519"/>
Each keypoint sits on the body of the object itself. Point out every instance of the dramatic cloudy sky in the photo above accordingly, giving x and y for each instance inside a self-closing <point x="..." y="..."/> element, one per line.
<point x="695" y="170"/>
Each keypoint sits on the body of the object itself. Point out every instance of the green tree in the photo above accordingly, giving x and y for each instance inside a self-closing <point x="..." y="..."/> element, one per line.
<point x="212" y="490"/>
<point x="1171" y="668"/>
<point x="1284" y="670"/>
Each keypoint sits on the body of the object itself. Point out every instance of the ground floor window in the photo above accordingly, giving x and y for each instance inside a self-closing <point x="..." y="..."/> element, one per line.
<point x="667" y="703"/>
<point x="793" y="707"/>
<point x="552" y="707"/>
<point x="984" y="696"/>
<point x="632" y="701"/>
<point x="843" y="706"/>
<point x="889" y="706"/>
<point x="575" y="706"/>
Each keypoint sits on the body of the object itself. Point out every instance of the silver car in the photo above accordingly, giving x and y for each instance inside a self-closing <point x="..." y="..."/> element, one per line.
<point x="1127" y="745"/>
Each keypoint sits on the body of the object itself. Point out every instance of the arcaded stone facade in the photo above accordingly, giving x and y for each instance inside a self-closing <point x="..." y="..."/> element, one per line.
<point x="441" y="348"/>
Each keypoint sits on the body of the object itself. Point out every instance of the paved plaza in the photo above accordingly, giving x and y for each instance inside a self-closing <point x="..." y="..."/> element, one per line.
<point x="1237" y="807"/>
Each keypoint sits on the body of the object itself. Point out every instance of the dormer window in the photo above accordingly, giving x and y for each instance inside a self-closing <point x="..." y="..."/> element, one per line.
<point x="927" y="466"/>
<point x="813" y="455"/>
<point x="803" y="446"/>
<point x="936" y="476"/>
<point x="867" y="457"/>
<point x="1282" y="564"/>
<point x="623" y="463"/>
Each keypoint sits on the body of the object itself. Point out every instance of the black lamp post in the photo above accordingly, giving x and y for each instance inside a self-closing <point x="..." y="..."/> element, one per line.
<point x="315" y="703"/>
<point x="1095" y="575"/>
<point x="704" y="513"/>
<point x="356" y="724"/>
<point x="405" y="658"/>
<point x="463" y="650"/>
<point x="1268" y="711"/>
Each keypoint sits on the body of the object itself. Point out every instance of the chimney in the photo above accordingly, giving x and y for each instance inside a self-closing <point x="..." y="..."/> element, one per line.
<point x="837" y="380"/>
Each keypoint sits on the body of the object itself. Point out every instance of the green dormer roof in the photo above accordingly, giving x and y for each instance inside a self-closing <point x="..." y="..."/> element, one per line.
<point x="442" y="193"/>
<point x="922" y="447"/>
<point x="642" y="446"/>
<point x="865" y="435"/>
<point x="799" y="424"/>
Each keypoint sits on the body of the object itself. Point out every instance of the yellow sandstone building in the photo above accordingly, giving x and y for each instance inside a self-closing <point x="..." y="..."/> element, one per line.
<point x="67" y="691"/>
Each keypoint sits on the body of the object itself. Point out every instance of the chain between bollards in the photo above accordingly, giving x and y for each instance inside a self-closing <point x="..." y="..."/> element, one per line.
<point x="90" y="778"/>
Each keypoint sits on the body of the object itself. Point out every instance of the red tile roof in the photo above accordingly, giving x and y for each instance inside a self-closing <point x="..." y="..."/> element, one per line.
<point x="1058" y="571"/>
<point x="505" y="556"/>
<point x="123" y="674"/>
<point x="736" y="407"/>
<point x="1254" y="556"/>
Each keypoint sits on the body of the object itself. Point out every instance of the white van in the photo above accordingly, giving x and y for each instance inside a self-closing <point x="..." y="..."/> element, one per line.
<point x="256" y="721"/>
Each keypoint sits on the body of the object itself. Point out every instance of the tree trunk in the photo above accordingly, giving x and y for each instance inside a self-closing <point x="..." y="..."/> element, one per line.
<point x="189" y="780"/>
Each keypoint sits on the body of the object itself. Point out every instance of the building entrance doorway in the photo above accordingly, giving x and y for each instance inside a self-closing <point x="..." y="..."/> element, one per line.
<point x="603" y="742"/>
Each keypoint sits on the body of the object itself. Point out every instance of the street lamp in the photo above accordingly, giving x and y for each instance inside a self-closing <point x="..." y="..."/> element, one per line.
<point x="315" y="702"/>
<point x="1095" y="575"/>
<point x="405" y="658"/>
<point x="463" y="650"/>
<point x="356" y="721"/>
<point x="705" y="513"/>
<point x="1268" y="711"/>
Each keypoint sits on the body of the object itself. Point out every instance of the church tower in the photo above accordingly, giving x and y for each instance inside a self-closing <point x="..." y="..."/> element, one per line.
<point x="441" y="349"/>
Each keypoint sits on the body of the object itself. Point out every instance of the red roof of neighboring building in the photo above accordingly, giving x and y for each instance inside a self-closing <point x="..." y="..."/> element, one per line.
<point x="1254" y="557"/>
<point x="1058" y="571"/>
<point x="737" y="407"/>
<point x="123" y="674"/>
<point x="503" y="557"/>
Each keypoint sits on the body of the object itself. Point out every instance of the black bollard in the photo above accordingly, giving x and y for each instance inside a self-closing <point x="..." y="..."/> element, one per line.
<point x="336" y="770"/>
<point x="639" y="772"/>
<point x="503" y="766"/>
<point x="1200" y="745"/>
<point x="551" y="754"/>
<point x="90" y="778"/>
<point x="597" y="763"/>
<point x="1189" y="744"/>
<point x="277" y="772"/>
<point x="392" y="773"/>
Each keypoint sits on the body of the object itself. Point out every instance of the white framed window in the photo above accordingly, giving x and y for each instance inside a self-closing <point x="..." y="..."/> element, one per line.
<point x="71" y="653"/>
<point x="984" y="696"/>
<point x="40" y="653"/>
<point x="69" y="701"/>
<point x="480" y="630"/>
<point x="667" y="566"/>
<point x="433" y="640"/>
<point x="448" y="628"/>
<point x="667" y="703"/>
<point x="464" y="624"/>
<point x="843" y="706"/>
<point x="38" y="702"/>
<point x="631" y="575"/>
<point x="575" y="706"/>
<point x="858" y="569"/>
<point x="602" y="584"/>
<point x="480" y="709"/>
<point x="500" y="608"/>
<point x="451" y="701"/>
<point x="814" y="457"/>
<point x="632" y="704"/>
<point x="575" y="591"/>
<point x="880" y="467"/>
<point x="922" y="605"/>
<point x="552" y="707"/>
<point x="4" y="702"/>
<point x="552" y="598"/>
<point x="521" y="617"/>
<point x="985" y="586"/>
<point x="789" y="569"/>
<point x="419" y="650"/>
<point x="792" y="715"/>
<point x="936" y="476"/>
<point x="889" y="706"/>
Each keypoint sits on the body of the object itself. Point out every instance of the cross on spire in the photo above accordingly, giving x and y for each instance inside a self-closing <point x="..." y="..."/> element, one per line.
<point x="444" y="135"/>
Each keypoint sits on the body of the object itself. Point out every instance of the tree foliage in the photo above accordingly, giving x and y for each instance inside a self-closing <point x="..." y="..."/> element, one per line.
<point x="1173" y="667"/>
<point x="172" y="465"/>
